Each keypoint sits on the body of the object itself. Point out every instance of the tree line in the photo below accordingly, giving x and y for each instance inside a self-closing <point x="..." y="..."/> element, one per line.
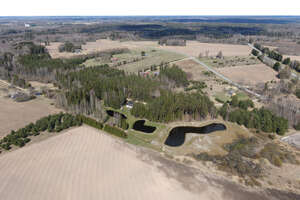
<point x="51" y="123"/>
<point x="276" y="56"/>
<point x="175" y="106"/>
<point x="260" y="119"/>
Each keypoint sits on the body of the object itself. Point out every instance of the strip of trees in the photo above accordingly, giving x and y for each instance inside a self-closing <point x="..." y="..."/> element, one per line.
<point x="276" y="56"/>
<point x="51" y="123"/>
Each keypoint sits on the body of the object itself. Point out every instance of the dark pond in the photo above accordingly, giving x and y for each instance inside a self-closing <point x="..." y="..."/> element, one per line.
<point x="140" y="126"/>
<point x="112" y="113"/>
<point x="177" y="134"/>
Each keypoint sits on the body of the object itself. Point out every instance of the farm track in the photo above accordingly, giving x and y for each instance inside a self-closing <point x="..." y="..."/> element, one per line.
<point x="271" y="60"/>
<point x="209" y="68"/>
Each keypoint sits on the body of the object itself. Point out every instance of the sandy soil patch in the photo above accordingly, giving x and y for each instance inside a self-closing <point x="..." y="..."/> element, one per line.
<point x="194" y="48"/>
<point x="16" y="115"/>
<point x="249" y="74"/>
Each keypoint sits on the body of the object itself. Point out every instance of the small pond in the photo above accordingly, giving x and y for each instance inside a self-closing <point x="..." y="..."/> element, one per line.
<point x="112" y="113"/>
<point x="177" y="135"/>
<point x="140" y="126"/>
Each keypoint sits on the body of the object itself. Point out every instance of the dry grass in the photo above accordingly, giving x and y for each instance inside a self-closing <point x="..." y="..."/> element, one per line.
<point x="194" y="70"/>
<point x="84" y="163"/>
<point x="249" y="74"/>
<point x="231" y="61"/>
<point x="211" y="143"/>
<point x="99" y="45"/>
<point x="194" y="48"/>
<point x="16" y="115"/>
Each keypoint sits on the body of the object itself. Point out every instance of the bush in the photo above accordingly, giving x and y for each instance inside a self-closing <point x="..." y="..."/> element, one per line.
<point x="285" y="74"/>
<point x="277" y="155"/>
<point x="254" y="52"/>
<point x="286" y="61"/>
<point x="297" y="126"/>
<point x="90" y="121"/>
<point x="115" y="131"/>
<point x="276" y="66"/>
<point x="297" y="93"/>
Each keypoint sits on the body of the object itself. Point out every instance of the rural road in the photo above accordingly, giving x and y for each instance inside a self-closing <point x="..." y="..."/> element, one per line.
<point x="225" y="78"/>
<point x="271" y="60"/>
<point x="218" y="74"/>
<point x="293" y="140"/>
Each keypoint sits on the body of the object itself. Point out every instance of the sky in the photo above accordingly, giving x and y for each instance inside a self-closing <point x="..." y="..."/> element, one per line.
<point x="148" y="7"/>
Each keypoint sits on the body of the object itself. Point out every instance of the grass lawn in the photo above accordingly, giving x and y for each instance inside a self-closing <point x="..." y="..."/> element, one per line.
<point x="222" y="97"/>
<point x="242" y="96"/>
<point x="137" y="137"/>
<point x="230" y="61"/>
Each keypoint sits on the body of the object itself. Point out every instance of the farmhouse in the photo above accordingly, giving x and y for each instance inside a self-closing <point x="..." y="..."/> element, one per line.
<point x="129" y="104"/>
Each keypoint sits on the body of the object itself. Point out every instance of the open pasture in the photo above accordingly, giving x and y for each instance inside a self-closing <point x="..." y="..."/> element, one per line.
<point x="250" y="75"/>
<point x="133" y="61"/>
<point x="99" y="45"/>
<point x="194" y="48"/>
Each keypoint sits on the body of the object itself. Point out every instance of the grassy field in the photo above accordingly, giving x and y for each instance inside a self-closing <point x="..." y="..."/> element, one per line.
<point x="230" y="61"/>
<point x="133" y="61"/>
<point x="222" y="97"/>
<point x="250" y="74"/>
<point x="194" y="48"/>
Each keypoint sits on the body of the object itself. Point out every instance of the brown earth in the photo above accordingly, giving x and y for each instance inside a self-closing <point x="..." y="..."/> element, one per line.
<point x="193" y="48"/>
<point x="85" y="163"/>
<point x="15" y="115"/>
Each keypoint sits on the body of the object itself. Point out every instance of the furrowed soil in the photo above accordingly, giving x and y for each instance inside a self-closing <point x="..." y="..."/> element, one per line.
<point x="84" y="163"/>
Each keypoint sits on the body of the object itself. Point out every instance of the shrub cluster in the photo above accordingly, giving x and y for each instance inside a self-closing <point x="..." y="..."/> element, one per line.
<point x="51" y="123"/>
<point x="261" y="119"/>
<point x="243" y="104"/>
<point x="175" y="74"/>
<point x="115" y="131"/>
<point x="91" y="122"/>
